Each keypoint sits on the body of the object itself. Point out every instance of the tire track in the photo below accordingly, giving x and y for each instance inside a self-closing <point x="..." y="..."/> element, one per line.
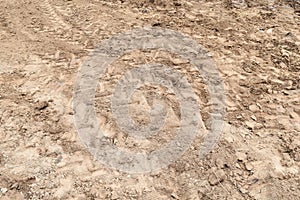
<point x="4" y="24"/>
<point x="68" y="11"/>
<point x="57" y="21"/>
<point x="73" y="23"/>
<point x="56" y="25"/>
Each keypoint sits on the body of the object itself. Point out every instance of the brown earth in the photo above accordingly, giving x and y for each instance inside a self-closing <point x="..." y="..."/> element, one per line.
<point x="256" y="46"/>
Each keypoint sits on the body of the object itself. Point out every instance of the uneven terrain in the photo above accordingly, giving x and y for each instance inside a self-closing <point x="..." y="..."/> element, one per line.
<point x="256" y="47"/>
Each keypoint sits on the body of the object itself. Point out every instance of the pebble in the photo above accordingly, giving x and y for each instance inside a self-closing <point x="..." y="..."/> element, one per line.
<point x="249" y="166"/>
<point x="174" y="196"/>
<point x="239" y="3"/>
<point x="177" y="61"/>
<point x="241" y="156"/>
<point x="41" y="105"/>
<point x="4" y="190"/>
<point x="253" y="108"/>
<point x="250" y="125"/>
<point x="216" y="177"/>
<point x="294" y="115"/>
<point x="243" y="190"/>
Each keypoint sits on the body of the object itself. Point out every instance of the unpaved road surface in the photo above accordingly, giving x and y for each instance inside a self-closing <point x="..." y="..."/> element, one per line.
<point x="256" y="47"/>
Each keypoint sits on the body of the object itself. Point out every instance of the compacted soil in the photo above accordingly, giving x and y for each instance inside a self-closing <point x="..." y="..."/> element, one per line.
<point x="255" y="46"/>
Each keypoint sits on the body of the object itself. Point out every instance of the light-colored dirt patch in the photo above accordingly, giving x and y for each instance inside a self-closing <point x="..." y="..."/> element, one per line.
<point x="255" y="45"/>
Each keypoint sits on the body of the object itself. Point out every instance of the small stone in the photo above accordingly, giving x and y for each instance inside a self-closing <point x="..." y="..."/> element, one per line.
<point x="41" y="105"/>
<point x="253" y="108"/>
<point x="174" y="196"/>
<point x="283" y="65"/>
<point x="249" y="166"/>
<point x="289" y="85"/>
<point x="177" y="61"/>
<point x="217" y="177"/>
<point x="14" y="186"/>
<point x="285" y="92"/>
<point x="55" y="129"/>
<point x="294" y="115"/>
<point x="297" y="157"/>
<point x="269" y="31"/>
<point x="241" y="156"/>
<point x="253" y="117"/>
<point x="239" y="117"/>
<point x="285" y="53"/>
<point x="239" y="3"/>
<point x="250" y="125"/>
<point x="243" y="190"/>
<point x="4" y="190"/>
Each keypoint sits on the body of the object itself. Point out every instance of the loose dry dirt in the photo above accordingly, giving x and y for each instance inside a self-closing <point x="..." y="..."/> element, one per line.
<point x="256" y="46"/>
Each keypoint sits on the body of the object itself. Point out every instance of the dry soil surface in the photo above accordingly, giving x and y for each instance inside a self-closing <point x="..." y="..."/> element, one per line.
<point x="255" y="45"/>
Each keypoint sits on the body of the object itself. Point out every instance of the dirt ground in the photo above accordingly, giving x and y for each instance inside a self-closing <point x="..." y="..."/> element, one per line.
<point x="255" y="45"/>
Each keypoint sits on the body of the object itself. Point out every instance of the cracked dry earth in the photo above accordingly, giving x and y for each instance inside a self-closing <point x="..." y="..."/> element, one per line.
<point x="255" y="45"/>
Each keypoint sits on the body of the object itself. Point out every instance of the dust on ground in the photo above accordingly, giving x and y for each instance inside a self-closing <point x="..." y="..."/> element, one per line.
<point x="255" y="45"/>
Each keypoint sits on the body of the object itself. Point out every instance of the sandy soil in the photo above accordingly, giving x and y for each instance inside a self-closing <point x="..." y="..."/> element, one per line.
<point x="256" y="46"/>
